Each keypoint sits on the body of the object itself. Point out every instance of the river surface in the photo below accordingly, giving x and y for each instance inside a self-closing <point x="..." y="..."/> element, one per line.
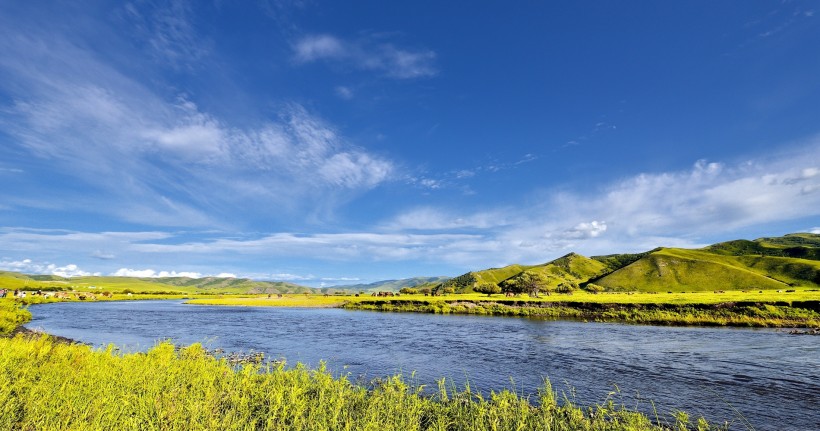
<point x="770" y="377"/>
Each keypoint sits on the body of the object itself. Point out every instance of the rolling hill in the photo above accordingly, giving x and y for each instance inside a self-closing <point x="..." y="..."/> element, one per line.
<point x="767" y="263"/>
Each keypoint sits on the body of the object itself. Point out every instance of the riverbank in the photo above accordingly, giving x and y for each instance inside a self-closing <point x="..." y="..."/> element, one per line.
<point x="46" y="385"/>
<point x="767" y="309"/>
<point x="797" y="314"/>
<point x="12" y="315"/>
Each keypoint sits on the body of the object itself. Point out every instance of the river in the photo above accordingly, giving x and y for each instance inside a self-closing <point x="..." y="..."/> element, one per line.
<point x="766" y="377"/>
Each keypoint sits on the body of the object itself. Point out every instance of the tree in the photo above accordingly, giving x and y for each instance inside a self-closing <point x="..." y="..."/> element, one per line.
<point x="488" y="288"/>
<point x="449" y="290"/>
<point x="530" y="282"/>
<point x="567" y="287"/>
<point x="408" y="291"/>
<point x="426" y="290"/>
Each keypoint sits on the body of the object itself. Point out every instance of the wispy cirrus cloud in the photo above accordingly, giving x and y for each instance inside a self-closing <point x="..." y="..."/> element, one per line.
<point x="164" y="160"/>
<point x="366" y="54"/>
<point x="167" y="31"/>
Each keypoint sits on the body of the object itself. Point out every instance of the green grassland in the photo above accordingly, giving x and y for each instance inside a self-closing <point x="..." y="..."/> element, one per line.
<point x="50" y="386"/>
<point x="699" y="270"/>
<point x="12" y="315"/>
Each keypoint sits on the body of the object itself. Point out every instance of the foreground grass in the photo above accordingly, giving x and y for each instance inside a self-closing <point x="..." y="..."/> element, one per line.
<point x="12" y="315"/>
<point x="49" y="386"/>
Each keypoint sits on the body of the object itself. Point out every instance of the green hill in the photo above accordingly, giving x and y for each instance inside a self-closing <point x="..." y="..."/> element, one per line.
<point x="765" y="263"/>
<point x="793" y="240"/>
<point x="464" y="283"/>
<point x="614" y="262"/>
<point x="677" y="270"/>
<point x="802" y="246"/>
<point x="571" y="269"/>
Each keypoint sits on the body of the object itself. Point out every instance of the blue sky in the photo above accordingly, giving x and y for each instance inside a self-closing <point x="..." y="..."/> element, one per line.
<point x="330" y="143"/>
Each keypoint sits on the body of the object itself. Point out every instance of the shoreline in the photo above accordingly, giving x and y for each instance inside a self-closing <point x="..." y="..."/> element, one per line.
<point x="795" y="315"/>
<point x="33" y="333"/>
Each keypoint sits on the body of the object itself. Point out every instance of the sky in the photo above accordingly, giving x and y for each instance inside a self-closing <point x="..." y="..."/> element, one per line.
<point x="327" y="143"/>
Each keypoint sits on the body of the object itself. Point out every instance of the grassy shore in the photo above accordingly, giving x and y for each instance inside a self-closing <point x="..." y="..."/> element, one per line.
<point x="53" y="386"/>
<point x="12" y="315"/>
<point x="732" y="308"/>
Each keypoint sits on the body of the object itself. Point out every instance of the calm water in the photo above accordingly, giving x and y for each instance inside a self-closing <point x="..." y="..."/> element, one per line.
<point x="771" y="377"/>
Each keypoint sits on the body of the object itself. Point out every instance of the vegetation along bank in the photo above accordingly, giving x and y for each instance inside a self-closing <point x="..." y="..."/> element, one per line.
<point x="802" y="314"/>
<point x="55" y="386"/>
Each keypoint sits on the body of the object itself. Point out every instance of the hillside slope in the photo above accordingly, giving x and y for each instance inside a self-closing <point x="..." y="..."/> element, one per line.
<point x="677" y="270"/>
<point x="571" y="270"/>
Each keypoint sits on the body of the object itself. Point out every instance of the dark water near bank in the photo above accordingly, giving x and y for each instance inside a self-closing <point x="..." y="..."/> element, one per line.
<point x="771" y="377"/>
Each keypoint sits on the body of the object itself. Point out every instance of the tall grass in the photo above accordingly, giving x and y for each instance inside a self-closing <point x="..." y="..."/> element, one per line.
<point x="12" y="315"/>
<point x="50" y="386"/>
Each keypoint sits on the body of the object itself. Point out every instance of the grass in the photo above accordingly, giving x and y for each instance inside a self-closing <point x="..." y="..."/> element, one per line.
<point x="12" y="315"/>
<point x="49" y="386"/>
<point x="698" y="270"/>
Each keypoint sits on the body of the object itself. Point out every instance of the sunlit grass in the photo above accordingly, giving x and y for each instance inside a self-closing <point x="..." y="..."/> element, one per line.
<point x="49" y="386"/>
<point x="12" y="315"/>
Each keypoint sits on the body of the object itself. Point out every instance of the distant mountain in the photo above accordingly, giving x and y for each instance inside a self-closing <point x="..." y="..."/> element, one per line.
<point x="392" y="285"/>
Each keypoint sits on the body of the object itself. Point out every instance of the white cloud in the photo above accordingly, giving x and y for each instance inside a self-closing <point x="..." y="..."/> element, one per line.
<point x="586" y="230"/>
<point x="815" y="230"/>
<point x="366" y="54"/>
<point x="27" y="266"/>
<point x="319" y="47"/>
